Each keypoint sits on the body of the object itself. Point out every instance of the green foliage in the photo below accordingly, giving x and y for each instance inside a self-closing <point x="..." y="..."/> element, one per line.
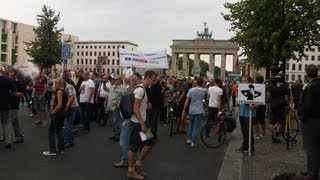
<point x="204" y="67"/>
<point x="45" y="49"/>
<point x="269" y="29"/>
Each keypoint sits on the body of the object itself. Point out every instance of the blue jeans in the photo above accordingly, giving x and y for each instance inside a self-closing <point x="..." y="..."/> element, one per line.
<point x="193" y="129"/>
<point x="114" y="116"/>
<point x="56" y="128"/>
<point x="68" y="125"/>
<point x="124" y="139"/>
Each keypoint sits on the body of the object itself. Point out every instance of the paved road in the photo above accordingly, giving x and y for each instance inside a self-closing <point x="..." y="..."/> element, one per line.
<point x="94" y="155"/>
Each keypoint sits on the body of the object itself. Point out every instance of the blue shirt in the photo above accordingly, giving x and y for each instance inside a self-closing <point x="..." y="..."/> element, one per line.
<point x="196" y="96"/>
<point x="244" y="110"/>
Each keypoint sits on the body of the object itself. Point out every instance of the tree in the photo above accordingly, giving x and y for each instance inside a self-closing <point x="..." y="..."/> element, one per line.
<point x="45" y="49"/>
<point x="269" y="30"/>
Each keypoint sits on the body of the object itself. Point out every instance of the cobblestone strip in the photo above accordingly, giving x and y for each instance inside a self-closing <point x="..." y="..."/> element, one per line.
<point x="232" y="163"/>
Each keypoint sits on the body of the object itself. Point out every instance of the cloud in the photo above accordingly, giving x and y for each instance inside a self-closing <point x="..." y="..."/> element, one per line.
<point x="151" y="24"/>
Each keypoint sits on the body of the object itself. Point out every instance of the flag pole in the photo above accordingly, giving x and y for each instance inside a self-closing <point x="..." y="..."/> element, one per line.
<point x="250" y="131"/>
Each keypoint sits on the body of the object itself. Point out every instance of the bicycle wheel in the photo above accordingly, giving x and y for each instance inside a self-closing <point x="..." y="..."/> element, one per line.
<point x="212" y="135"/>
<point x="170" y="127"/>
<point x="291" y="133"/>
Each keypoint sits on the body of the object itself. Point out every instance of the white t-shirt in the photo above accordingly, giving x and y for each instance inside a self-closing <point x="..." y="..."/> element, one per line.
<point x="103" y="93"/>
<point x="85" y="91"/>
<point x="71" y="91"/>
<point x="139" y="92"/>
<point x="214" y="92"/>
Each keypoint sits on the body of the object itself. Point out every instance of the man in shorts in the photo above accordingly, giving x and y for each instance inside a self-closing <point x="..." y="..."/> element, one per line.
<point x="40" y="90"/>
<point x="138" y="126"/>
<point x="278" y="98"/>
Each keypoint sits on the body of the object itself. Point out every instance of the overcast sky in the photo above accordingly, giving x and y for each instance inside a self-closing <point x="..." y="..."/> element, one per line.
<point x="151" y="24"/>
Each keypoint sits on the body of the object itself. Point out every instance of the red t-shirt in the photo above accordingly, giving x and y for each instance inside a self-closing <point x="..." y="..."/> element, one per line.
<point x="40" y="82"/>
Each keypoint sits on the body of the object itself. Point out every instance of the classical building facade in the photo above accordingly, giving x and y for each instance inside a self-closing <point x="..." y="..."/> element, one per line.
<point x="295" y="70"/>
<point x="203" y="46"/>
<point x="100" y="56"/>
<point x="12" y="47"/>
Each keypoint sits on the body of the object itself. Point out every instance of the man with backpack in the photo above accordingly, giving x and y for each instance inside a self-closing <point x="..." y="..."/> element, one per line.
<point x="140" y="135"/>
<point x="126" y="104"/>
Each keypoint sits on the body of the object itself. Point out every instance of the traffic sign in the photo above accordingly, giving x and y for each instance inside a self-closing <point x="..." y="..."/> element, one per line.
<point x="65" y="51"/>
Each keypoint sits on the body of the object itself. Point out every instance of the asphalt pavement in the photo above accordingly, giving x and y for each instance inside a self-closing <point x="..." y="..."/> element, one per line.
<point x="93" y="156"/>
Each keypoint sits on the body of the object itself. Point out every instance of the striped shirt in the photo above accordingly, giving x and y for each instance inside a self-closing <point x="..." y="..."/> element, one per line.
<point x="40" y="82"/>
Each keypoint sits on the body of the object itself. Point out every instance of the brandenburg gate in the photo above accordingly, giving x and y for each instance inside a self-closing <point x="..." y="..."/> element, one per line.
<point x="204" y="44"/>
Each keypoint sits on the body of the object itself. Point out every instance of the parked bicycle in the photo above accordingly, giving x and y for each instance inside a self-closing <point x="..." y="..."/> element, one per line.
<point x="291" y="127"/>
<point x="213" y="134"/>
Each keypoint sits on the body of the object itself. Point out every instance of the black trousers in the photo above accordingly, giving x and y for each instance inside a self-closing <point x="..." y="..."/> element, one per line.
<point x="153" y="116"/>
<point x="311" y="144"/>
<point x="244" y="123"/>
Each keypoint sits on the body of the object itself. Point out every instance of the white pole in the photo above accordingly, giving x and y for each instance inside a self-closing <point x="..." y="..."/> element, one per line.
<point x="250" y="129"/>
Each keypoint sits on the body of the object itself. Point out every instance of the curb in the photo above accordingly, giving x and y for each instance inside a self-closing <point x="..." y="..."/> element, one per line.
<point x="231" y="167"/>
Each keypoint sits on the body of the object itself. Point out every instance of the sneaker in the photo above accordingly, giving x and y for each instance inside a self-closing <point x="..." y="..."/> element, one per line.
<point x="263" y="135"/>
<point x="139" y="170"/>
<point x="188" y="141"/>
<point x="48" y="153"/>
<point x="60" y="153"/>
<point x="242" y="150"/>
<point x="276" y="140"/>
<point x="44" y="124"/>
<point x="18" y="140"/>
<point x="37" y="123"/>
<point x="193" y="144"/>
<point x="121" y="164"/>
<point x="134" y="175"/>
<point x="8" y="146"/>
<point x="256" y="137"/>
<point x="31" y="115"/>
<point x="68" y="145"/>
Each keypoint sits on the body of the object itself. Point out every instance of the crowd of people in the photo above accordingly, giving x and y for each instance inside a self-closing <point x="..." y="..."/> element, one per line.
<point x="87" y="98"/>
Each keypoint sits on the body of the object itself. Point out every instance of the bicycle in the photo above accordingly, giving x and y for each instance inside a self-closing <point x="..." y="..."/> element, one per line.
<point x="291" y="127"/>
<point x="171" y="117"/>
<point x="213" y="134"/>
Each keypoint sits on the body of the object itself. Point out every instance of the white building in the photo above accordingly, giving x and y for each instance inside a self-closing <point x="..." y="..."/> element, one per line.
<point x="295" y="70"/>
<point x="13" y="37"/>
<point x="87" y="54"/>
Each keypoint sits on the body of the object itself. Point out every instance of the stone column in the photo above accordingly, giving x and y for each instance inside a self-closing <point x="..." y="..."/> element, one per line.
<point x="185" y="64"/>
<point x="211" y="63"/>
<point x="235" y="63"/>
<point x="223" y="66"/>
<point x="173" y="69"/>
<point x="197" y="60"/>
<point x="197" y="64"/>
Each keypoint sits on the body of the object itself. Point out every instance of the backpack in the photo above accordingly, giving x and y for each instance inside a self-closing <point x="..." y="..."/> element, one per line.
<point x="231" y="124"/>
<point x="127" y="103"/>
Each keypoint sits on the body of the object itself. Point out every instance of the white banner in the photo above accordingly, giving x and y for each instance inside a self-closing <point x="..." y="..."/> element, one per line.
<point x="156" y="60"/>
<point x="252" y="93"/>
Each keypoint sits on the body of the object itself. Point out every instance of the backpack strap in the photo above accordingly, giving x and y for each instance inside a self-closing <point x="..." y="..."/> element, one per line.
<point x="144" y="92"/>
